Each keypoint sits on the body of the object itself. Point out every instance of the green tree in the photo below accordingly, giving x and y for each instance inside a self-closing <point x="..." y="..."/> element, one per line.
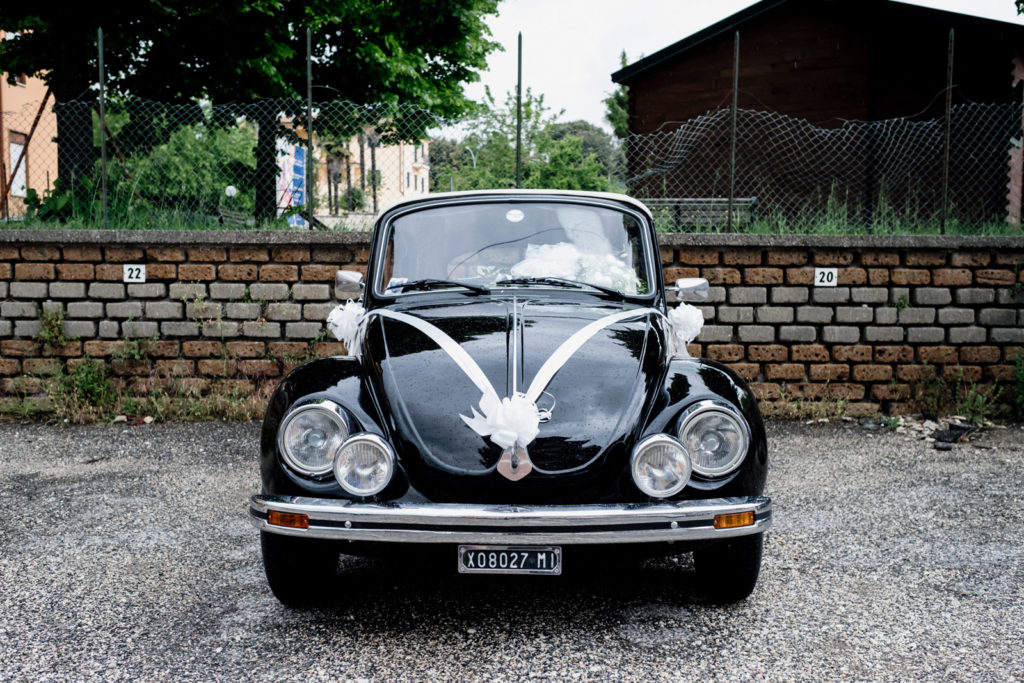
<point x="194" y="167"/>
<point x="617" y="106"/>
<point x="175" y="51"/>
<point x="554" y="155"/>
<point x="495" y="120"/>
<point x="595" y="141"/>
<point x="564" y="165"/>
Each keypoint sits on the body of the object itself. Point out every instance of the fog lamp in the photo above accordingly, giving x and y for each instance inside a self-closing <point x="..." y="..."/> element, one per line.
<point x="660" y="466"/>
<point x="364" y="465"/>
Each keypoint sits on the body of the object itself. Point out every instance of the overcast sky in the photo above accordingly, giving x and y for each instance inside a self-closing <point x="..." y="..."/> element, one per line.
<point x="571" y="47"/>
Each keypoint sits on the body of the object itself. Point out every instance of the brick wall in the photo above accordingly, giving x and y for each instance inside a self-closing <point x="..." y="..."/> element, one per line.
<point x="903" y="311"/>
<point x="229" y="313"/>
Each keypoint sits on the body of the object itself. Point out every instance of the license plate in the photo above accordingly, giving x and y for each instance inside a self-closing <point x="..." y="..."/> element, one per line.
<point x="509" y="559"/>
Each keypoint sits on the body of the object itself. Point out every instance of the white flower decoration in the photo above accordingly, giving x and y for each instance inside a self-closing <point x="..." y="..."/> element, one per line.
<point x="686" y="322"/>
<point x="344" y="322"/>
<point x="508" y="421"/>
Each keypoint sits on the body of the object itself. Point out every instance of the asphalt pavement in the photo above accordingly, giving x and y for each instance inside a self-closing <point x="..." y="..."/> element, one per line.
<point x="126" y="554"/>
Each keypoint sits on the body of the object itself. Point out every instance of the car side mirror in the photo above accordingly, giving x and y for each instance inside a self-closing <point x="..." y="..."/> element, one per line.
<point x="692" y="289"/>
<point x="349" y="277"/>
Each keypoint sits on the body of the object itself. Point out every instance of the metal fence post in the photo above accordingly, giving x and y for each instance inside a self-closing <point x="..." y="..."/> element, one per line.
<point x="732" y="136"/>
<point x="519" y="114"/>
<point x="945" y="153"/>
<point x="310" y="169"/>
<point x="103" y="136"/>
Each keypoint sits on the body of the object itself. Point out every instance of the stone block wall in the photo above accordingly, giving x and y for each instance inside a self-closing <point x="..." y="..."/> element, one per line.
<point x="231" y="312"/>
<point x="903" y="312"/>
<point x="219" y="313"/>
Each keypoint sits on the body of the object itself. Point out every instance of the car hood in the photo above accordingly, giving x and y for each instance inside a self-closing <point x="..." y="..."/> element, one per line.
<point x="597" y="399"/>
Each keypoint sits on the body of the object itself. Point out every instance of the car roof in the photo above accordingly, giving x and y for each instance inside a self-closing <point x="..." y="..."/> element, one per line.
<point x="520" y="193"/>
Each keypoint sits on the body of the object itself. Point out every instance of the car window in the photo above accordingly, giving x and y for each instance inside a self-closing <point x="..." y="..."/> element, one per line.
<point x="490" y="243"/>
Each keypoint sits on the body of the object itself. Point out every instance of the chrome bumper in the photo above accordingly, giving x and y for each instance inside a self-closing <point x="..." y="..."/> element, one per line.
<point x="691" y="520"/>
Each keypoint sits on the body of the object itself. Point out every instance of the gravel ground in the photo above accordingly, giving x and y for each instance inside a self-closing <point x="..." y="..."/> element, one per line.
<point x="126" y="554"/>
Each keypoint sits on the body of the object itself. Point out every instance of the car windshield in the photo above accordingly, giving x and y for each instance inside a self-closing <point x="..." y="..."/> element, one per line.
<point x="515" y="244"/>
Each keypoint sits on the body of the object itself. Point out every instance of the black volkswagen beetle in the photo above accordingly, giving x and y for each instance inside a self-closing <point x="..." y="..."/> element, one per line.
<point x="517" y="394"/>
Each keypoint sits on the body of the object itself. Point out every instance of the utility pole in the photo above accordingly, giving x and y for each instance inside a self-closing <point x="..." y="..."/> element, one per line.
<point x="519" y="116"/>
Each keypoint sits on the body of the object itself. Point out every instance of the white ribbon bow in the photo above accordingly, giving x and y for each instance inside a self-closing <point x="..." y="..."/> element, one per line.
<point x="509" y="421"/>
<point x="344" y="322"/>
<point x="512" y="422"/>
<point x="686" y="322"/>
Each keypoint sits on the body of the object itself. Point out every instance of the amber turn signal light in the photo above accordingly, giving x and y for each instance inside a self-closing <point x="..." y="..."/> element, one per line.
<point x="296" y="520"/>
<point x="734" y="520"/>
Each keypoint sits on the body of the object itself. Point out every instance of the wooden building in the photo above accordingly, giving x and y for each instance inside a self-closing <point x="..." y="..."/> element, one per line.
<point x="807" y="68"/>
<point x="826" y="61"/>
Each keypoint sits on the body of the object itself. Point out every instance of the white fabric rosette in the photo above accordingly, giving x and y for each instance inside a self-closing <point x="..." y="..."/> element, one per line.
<point x="344" y="322"/>
<point x="508" y="421"/>
<point x="686" y="322"/>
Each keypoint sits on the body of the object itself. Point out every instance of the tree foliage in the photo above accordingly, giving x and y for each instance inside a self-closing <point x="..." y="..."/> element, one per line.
<point x="237" y="50"/>
<point x="572" y="155"/>
<point x="595" y="142"/>
<point x="194" y="167"/>
<point x="177" y="51"/>
<point x="617" y="106"/>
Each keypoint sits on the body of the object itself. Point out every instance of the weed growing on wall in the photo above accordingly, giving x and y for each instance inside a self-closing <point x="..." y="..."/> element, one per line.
<point x="85" y="393"/>
<point x="940" y="396"/>
<point x="51" y="335"/>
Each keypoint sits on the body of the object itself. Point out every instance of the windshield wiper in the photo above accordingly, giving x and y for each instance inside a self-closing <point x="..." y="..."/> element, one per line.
<point x="560" y="282"/>
<point x="433" y="283"/>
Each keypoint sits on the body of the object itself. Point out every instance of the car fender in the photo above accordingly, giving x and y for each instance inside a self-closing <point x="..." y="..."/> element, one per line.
<point x="689" y="380"/>
<point x="336" y="378"/>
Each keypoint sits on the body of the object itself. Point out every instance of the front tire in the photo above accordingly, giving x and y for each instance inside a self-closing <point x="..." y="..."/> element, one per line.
<point x="727" y="571"/>
<point x="299" y="570"/>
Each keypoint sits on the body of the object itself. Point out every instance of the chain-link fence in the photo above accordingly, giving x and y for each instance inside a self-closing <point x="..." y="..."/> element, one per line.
<point x="195" y="165"/>
<point x="864" y="176"/>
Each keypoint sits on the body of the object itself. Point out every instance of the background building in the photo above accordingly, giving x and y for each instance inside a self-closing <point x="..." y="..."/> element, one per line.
<point x="843" y="117"/>
<point x="827" y="61"/>
<point x="20" y="106"/>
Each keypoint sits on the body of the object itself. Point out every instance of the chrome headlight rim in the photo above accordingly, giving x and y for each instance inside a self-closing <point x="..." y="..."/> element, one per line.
<point x="325" y="407"/>
<point x="659" y="440"/>
<point x="702" y="408"/>
<point x="375" y="441"/>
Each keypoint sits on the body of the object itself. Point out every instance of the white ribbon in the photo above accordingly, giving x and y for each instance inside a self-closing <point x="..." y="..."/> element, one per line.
<point x="344" y="322"/>
<point x="513" y="420"/>
<point x="571" y="345"/>
<point x="447" y="344"/>
<point x="686" y="322"/>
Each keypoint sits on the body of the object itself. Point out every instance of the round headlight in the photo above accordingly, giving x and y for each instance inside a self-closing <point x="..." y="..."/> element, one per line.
<point x="309" y="436"/>
<point x="661" y="466"/>
<point x="716" y="436"/>
<point x="364" y="465"/>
